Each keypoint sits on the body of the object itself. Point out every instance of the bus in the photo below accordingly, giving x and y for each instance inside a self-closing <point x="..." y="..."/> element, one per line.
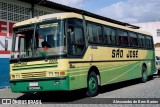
<point x="70" y="51"/>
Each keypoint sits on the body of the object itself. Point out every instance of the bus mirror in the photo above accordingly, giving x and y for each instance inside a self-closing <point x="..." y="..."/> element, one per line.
<point x="7" y="40"/>
<point x="6" y="45"/>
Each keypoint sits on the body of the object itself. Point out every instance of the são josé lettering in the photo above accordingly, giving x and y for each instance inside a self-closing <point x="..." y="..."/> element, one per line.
<point x="119" y="53"/>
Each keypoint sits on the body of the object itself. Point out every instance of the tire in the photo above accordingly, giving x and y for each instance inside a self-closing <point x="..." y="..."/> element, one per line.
<point x="92" y="83"/>
<point x="151" y="77"/>
<point x="158" y="73"/>
<point x="144" y="75"/>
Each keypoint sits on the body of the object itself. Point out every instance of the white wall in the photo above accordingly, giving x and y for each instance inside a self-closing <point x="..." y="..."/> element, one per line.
<point x="157" y="50"/>
<point x="152" y="28"/>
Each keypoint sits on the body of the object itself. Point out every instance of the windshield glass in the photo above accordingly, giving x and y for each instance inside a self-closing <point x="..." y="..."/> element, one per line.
<point x="39" y="40"/>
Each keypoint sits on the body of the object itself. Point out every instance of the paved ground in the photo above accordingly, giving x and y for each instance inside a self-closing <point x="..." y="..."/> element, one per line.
<point x="129" y="89"/>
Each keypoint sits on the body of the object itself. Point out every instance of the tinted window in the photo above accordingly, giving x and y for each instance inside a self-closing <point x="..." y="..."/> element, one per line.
<point x="133" y="39"/>
<point x="95" y="33"/>
<point x="107" y="35"/>
<point x="113" y="36"/>
<point x="110" y="36"/>
<point x="141" y="40"/>
<point x="149" y="43"/>
<point x="123" y="37"/>
<point x="76" y="39"/>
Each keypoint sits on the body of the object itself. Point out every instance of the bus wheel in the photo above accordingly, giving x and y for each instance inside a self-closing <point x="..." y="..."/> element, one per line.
<point x="151" y="77"/>
<point x="144" y="74"/>
<point x="92" y="83"/>
<point x="158" y="73"/>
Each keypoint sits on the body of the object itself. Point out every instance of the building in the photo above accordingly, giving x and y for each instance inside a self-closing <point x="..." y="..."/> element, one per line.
<point x="154" y="29"/>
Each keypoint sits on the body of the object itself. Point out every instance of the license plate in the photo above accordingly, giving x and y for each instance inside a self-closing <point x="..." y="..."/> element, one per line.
<point x="34" y="88"/>
<point x="33" y="84"/>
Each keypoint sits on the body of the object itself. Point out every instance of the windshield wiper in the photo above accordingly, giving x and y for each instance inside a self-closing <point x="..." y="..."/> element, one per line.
<point x="41" y="53"/>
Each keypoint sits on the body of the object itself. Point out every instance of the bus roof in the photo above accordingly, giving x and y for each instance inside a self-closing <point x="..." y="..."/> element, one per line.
<point x="80" y="16"/>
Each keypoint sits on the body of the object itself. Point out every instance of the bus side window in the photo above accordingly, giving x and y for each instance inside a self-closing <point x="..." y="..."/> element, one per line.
<point x="107" y="36"/>
<point x="149" y="42"/>
<point x="123" y="38"/>
<point x="76" y="39"/>
<point x="113" y="36"/>
<point x="141" y="41"/>
<point x="133" y="39"/>
<point x="95" y="33"/>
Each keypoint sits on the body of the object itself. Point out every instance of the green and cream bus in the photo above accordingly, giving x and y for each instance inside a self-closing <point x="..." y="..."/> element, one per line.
<point x="70" y="51"/>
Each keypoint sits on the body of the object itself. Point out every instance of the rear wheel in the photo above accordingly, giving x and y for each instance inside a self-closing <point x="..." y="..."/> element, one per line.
<point x="93" y="88"/>
<point x="151" y="77"/>
<point x="144" y="74"/>
<point x="158" y="73"/>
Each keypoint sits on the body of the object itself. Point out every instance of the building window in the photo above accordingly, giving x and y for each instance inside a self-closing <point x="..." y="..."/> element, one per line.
<point x="158" y="32"/>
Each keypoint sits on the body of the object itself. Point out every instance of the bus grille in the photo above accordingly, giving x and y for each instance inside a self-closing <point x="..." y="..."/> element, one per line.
<point x="33" y="74"/>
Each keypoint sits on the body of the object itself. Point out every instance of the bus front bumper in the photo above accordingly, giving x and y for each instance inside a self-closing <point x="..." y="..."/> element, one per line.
<point x="37" y="85"/>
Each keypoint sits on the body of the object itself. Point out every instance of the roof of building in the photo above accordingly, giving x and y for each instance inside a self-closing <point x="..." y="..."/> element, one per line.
<point x="50" y="4"/>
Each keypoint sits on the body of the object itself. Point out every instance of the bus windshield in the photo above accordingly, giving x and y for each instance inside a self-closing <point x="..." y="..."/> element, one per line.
<point x="38" y="40"/>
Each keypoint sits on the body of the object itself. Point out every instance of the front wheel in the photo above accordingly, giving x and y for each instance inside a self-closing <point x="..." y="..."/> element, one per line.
<point x="144" y="74"/>
<point x="92" y="82"/>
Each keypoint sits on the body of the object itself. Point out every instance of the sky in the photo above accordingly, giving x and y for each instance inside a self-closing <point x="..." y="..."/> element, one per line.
<point x="129" y="11"/>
